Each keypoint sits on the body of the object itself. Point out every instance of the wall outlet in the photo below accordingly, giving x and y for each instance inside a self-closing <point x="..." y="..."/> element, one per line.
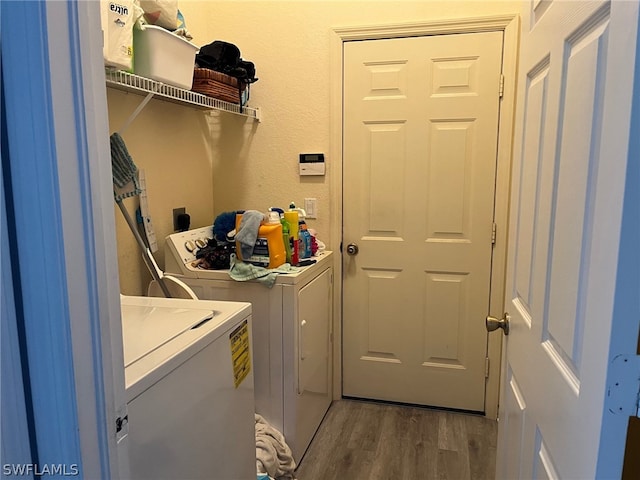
<point x="176" y="212"/>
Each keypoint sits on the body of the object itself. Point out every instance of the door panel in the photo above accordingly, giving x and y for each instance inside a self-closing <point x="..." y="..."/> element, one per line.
<point x="568" y="179"/>
<point x="313" y="370"/>
<point x="420" y="137"/>
<point x="449" y="170"/>
<point x="516" y="405"/>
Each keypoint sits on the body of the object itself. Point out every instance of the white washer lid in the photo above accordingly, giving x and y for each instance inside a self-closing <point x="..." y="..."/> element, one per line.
<point x="147" y="328"/>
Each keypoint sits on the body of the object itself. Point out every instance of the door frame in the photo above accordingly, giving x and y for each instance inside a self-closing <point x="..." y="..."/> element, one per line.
<point x="510" y="26"/>
<point x="62" y="214"/>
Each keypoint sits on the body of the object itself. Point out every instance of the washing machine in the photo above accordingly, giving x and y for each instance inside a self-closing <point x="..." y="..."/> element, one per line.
<point x="291" y="332"/>
<point x="189" y="388"/>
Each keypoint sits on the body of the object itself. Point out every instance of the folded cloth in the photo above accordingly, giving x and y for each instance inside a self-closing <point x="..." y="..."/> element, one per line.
<point x="242" y="272"/>
<point x="184" y="33"/>
<point x="248" y="231"/>
<point x="273" y="455"/>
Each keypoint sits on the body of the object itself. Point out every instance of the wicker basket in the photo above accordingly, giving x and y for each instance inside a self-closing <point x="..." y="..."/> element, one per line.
<point x="217" y="85"/>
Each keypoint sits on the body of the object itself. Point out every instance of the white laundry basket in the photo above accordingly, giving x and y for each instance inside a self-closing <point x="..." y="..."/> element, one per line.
<point x="160" y="55"/>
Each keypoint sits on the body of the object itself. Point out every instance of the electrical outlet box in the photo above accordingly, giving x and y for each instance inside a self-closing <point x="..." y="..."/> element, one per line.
<point x="176" y="213"/>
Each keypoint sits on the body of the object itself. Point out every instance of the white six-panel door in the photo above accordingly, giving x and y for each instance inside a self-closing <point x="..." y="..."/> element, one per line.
<point x="420" y="138"/>
<point x="572" y="132"/>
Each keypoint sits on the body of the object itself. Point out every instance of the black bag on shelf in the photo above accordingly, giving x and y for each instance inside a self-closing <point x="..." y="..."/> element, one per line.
<point x="245" y="71"/>
<point x="225" y="57"/>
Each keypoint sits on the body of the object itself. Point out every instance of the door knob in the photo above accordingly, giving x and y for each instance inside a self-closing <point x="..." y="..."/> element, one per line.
<point x="494" y="323"/>
<point x="352" y="249"/>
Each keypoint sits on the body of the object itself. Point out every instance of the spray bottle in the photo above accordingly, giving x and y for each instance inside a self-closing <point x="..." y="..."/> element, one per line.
<point x="293" y="216"/>
<point x="303" y="242"/>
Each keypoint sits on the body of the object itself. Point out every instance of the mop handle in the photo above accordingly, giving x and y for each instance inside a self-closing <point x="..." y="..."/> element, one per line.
<point x="149" y="262"/>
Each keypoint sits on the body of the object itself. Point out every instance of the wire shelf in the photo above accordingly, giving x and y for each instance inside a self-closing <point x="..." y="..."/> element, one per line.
<point x="141" y="85"/>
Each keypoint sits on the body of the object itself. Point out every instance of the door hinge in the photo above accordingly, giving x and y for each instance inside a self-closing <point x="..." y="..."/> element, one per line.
<point x="486" y="367"/>
<point x="623" y="388"/>
<point x="493" y="233"/>
<point x="501" y="87"/>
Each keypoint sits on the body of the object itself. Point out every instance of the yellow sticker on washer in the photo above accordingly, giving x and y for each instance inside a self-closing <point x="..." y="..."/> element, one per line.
<point x="240" y="353"/>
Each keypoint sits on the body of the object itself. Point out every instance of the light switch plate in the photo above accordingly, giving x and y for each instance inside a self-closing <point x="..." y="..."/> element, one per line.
<point x="311" y="207"/>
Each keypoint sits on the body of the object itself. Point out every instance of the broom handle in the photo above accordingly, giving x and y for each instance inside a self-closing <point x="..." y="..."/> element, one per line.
<point x="145" y="251"/>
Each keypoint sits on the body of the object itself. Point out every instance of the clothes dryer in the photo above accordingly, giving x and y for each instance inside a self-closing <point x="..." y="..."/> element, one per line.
<point x="292" y="323"/>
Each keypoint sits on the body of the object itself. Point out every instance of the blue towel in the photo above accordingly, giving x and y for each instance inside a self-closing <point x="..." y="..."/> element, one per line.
<point x="248" y="232"/>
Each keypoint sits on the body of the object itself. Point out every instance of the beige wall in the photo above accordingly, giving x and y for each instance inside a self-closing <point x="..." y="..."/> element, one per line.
<point x="255" y="165"/>
<point x="170" y="143"/>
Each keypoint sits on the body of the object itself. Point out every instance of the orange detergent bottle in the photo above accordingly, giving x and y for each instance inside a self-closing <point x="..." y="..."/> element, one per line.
<point x="269" y="251"/>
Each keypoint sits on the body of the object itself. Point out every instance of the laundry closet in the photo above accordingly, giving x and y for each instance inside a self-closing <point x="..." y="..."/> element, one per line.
<point x="216" y="162"/>
<point x="65" y="184"/>
<point x="227" y="162"/>
<point x="209" y="161"/>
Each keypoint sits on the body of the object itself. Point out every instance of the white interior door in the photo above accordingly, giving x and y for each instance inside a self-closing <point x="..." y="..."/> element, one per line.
<point x="420" y="137"/>
<point x="575" y="91"/>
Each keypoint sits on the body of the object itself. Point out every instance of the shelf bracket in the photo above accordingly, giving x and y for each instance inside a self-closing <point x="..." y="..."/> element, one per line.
<point x="136" y="112"/>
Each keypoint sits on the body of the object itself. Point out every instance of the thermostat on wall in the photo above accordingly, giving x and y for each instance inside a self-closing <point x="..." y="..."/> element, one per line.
<point x="312" y="164"/>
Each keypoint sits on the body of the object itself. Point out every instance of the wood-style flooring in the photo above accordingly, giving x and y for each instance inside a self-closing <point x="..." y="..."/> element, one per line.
<point x="361" y="440"/>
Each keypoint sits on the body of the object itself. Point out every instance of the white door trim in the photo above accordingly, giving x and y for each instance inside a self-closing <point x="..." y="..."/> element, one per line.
<point x="63" y="216"/>
<point x="509" y="24"/>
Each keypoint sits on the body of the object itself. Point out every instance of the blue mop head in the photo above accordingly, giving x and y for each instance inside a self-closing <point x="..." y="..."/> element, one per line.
<point x="223" y="224"/>
<point x="123" y="169"/>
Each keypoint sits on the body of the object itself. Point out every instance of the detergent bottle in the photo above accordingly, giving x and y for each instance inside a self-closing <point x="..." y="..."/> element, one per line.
<point x="269" y="250"/>
<point x="286" y="229"/>
<point x="301" y="243"/>
<point x="291" y="216"/>
<point x="286" y="232"/>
